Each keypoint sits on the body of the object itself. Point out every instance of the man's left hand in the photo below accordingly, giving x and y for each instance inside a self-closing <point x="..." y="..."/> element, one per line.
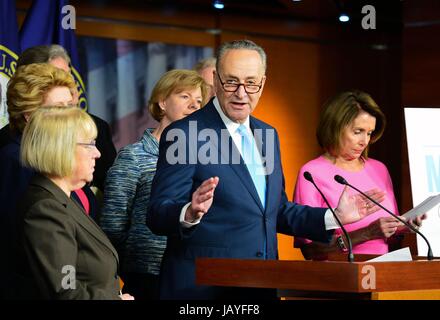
<point x="351" y="208"/>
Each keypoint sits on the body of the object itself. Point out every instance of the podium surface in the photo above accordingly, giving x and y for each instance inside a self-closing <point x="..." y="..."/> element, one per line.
<point x="323" y="278"/>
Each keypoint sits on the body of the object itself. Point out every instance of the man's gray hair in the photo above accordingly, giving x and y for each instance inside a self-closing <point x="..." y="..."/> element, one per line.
<point x="57" y="51"/>
<point x="205" y="63"/>
<point x="42" y="54"/>
<point x="241" y="44"/>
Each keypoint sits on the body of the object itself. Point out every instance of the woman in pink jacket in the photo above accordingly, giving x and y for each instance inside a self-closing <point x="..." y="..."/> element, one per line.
<point x="350" y="122"/>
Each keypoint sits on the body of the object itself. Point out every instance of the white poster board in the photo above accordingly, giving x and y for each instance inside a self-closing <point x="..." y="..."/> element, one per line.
<point x="423" y="138"/>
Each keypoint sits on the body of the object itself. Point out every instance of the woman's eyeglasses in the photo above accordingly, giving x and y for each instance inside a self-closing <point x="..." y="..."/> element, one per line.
<point x="90" y="145"/>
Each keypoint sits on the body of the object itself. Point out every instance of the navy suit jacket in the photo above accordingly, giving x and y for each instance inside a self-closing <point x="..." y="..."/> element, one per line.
<point x="236" y="225"/>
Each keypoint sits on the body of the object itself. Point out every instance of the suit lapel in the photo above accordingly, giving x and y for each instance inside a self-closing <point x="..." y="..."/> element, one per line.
<point x="76" y="212"/>
<point x="214" y="121"/>
<point x="260" y="139"/>
<point x="87" y="223"/>
<point x="264" y="146"/>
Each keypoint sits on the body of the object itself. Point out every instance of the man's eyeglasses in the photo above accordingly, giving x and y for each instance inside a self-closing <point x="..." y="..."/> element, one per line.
<point x="233" y="86"/>
<point x="90" y="145"/>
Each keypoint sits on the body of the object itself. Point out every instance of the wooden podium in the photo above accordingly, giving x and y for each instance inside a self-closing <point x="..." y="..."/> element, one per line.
<point x="419" y="279"/>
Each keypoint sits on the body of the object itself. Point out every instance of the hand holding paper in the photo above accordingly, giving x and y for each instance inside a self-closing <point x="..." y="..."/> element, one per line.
<point x="422" y="208"/>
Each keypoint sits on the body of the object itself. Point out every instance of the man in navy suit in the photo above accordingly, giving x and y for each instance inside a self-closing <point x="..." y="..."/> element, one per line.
<point x="210" y="205"/>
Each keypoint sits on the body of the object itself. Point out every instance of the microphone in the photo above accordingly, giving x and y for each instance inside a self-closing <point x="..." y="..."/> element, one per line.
<point x="341" y="180"/>
<point x="308" y="177"/>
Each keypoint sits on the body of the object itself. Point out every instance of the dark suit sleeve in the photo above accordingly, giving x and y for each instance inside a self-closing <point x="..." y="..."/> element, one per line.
<point x="302" y="221"/>
<point x="5" y="135"/>
<point x="105" y="145"/>
<point x="14" y="180"/>
<point x="50" y="245"/>
<point x="172" y="186"/>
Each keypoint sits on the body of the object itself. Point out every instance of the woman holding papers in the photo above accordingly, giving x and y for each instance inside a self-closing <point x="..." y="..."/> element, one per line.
<point x="350" y="122"/>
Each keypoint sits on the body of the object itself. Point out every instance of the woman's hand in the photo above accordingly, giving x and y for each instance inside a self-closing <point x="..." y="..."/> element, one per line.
<point x="383" y="228"/>
<point x="417" y="222"/>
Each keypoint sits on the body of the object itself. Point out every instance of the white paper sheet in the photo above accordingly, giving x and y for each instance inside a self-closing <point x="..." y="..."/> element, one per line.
<point x="423" y="207"/>
<point x="403" y="254"/>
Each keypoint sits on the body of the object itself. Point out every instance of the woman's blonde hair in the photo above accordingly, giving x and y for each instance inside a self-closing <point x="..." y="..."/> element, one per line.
<point x="51" y="136"/>
<point x="175" y="81"/>
<point x="340" y="111"/>
<point x="28" y="88"/>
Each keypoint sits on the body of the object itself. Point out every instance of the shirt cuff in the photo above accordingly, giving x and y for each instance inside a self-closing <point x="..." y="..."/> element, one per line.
<point x="330" y="221"/>
<point x="186" y="224"/>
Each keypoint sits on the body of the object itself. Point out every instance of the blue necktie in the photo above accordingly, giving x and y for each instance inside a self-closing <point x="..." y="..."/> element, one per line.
<point x="252" y="159"/>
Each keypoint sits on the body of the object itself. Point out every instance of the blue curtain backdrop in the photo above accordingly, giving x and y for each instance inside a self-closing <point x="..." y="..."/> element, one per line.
<point x="43" y="25"/>
<point x="9" y="50"/>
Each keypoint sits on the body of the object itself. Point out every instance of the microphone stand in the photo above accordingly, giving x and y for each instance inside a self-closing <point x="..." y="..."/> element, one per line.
<point x="341" y="180"/>
<point x="308" y="177"/>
